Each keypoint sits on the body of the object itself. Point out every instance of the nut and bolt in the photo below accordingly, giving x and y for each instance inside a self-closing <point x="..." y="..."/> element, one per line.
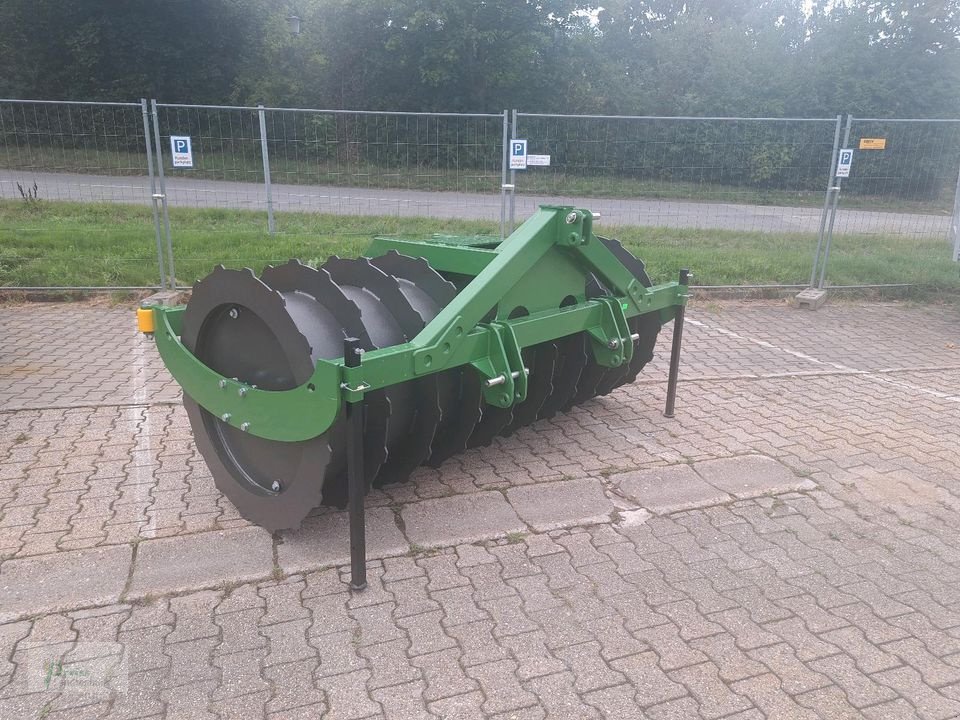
<point x="244" y="426"/>
<point x="275" y="486"/>
<point x="571" y="218"/>
<point x="226" y="417"/>
<point x="233" y="313"/>
<point x="242" y="392"/>
<point x="222" y="384"/>
<point x="613" y="343"/>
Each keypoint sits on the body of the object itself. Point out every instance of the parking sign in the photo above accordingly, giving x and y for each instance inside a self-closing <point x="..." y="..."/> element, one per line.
<point x="844" y="163"/>
<point x="181" y="150"/>
<point x="518" y="154"/>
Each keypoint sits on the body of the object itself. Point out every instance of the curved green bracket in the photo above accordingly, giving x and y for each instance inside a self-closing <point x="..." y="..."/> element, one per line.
<point x="298" y="414"/>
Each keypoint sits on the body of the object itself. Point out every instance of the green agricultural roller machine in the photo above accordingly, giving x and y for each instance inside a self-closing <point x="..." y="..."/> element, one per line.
<point x="307" y="386"/>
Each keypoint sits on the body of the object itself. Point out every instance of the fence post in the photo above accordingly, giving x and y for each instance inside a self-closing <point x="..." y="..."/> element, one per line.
<point x="826" y="200"/>
<point x="271" y="226"/>
<point x="513" y="178"/>
<point x="955" y="222"/>
<point x="163" y="193"/>
<point x="153" y="192"/>
<point x="504" y="161"/>
<point x="833" y="210"/>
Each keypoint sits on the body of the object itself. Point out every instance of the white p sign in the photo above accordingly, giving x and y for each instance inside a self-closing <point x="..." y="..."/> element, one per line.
<point x="518" y="154"/>
<point x="181" y="150"/>
<point x="844" y="163"/>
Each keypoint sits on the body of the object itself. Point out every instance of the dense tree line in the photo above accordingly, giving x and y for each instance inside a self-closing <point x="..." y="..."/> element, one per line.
<point x="661" y="57"/>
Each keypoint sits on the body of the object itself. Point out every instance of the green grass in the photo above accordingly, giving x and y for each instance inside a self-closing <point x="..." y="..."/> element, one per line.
<point x="57" y="243"/>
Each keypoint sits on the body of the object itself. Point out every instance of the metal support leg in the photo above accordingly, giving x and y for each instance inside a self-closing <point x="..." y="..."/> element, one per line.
<point x="356" y="482"/>
<point x="675" y="351"/>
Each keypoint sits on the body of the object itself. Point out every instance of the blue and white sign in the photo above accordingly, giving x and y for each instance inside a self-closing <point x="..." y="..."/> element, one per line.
<point x="518" y="154"/>
<point x="182" y="151"/>
<point x="845" y="162"/>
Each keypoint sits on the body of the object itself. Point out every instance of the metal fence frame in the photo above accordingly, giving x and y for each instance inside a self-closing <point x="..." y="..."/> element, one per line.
<point x="148" y="155"/>
<point x="510" y="120"/>
<point x="831" y="190"/>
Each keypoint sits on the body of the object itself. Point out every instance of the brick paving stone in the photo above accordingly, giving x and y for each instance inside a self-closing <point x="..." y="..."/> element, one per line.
<point x="547" y="506"/>
<point x="347" y="696"/>
<point x="201" y="560"/>
<point x="559" y="699"/>
<point x="712" y="694"/>
<point x="64" y="580"/>
<point x="443" y="674"/>
<point x="460" y="519"/>
<point x="668" y="489"/>
<point x="860" y="689"/>
<point x="460" y="707"/>
<point x="402" y="702"/>
<point x="645" y="673"/>
<point x="500" y="686"/>
<point x="751" y="475"/>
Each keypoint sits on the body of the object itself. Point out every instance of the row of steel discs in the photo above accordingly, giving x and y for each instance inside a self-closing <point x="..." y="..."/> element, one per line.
<point x="270" y="331"/>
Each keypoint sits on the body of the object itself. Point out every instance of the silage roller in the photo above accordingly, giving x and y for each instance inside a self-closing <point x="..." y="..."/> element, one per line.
<point x="306" y="386"/>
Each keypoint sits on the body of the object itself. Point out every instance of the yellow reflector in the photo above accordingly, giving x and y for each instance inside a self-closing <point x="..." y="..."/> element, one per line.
<point x="145" y="320"/>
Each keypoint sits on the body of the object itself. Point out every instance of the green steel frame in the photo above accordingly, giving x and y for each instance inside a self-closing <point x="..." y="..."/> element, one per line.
<point x="534" y="280"/>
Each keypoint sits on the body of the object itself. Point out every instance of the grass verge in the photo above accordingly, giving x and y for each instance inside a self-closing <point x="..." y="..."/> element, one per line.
<point x="58" y="243"/>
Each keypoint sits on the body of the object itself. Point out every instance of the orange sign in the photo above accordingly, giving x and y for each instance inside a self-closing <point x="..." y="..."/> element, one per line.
<point x="873" y="143"/>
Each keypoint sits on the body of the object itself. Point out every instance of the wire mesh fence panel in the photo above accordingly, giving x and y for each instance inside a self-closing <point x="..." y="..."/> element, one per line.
<point x="387" y="171"/>
<point x="744" y="193"/>
<point x="226" y="169"/>
<point x="402" y="164"/>
<point x="743" y="174"/>
<point x="60" y="163"/>
<point x="73" y="151"/>
<point x="903" y="179"/>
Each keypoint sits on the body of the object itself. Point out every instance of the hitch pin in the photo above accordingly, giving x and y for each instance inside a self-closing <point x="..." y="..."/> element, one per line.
<point x="501" y="379"/>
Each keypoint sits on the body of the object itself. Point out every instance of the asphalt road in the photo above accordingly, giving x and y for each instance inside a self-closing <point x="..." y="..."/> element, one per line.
<point x="190" y="192"/>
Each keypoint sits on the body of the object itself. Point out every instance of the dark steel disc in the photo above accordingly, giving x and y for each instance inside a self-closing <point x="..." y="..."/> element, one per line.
<point x="630" y="261"/>
<point x="318" y="285"/>
<point x="493" y="420"/>
<point x="239" y="327"/>
<point x="391" y="320"/>
<point x="459" y="401"/>
<point x="571" y="361"/>
<point x="541" y="360"/>
<point x="617" y="376"/>
<point x="648" y="328"/>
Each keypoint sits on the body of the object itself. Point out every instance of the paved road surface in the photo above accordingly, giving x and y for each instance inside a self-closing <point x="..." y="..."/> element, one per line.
<point x="189" y="192"/>
<point x="787" y="547"/>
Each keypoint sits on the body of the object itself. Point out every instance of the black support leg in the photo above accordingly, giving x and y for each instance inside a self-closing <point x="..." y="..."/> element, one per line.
<point x="356" y="482"/>
<point x="675" y="351"/>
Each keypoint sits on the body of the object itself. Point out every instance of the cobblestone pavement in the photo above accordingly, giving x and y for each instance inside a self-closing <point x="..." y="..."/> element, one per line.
<point x="787" y="546"/>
